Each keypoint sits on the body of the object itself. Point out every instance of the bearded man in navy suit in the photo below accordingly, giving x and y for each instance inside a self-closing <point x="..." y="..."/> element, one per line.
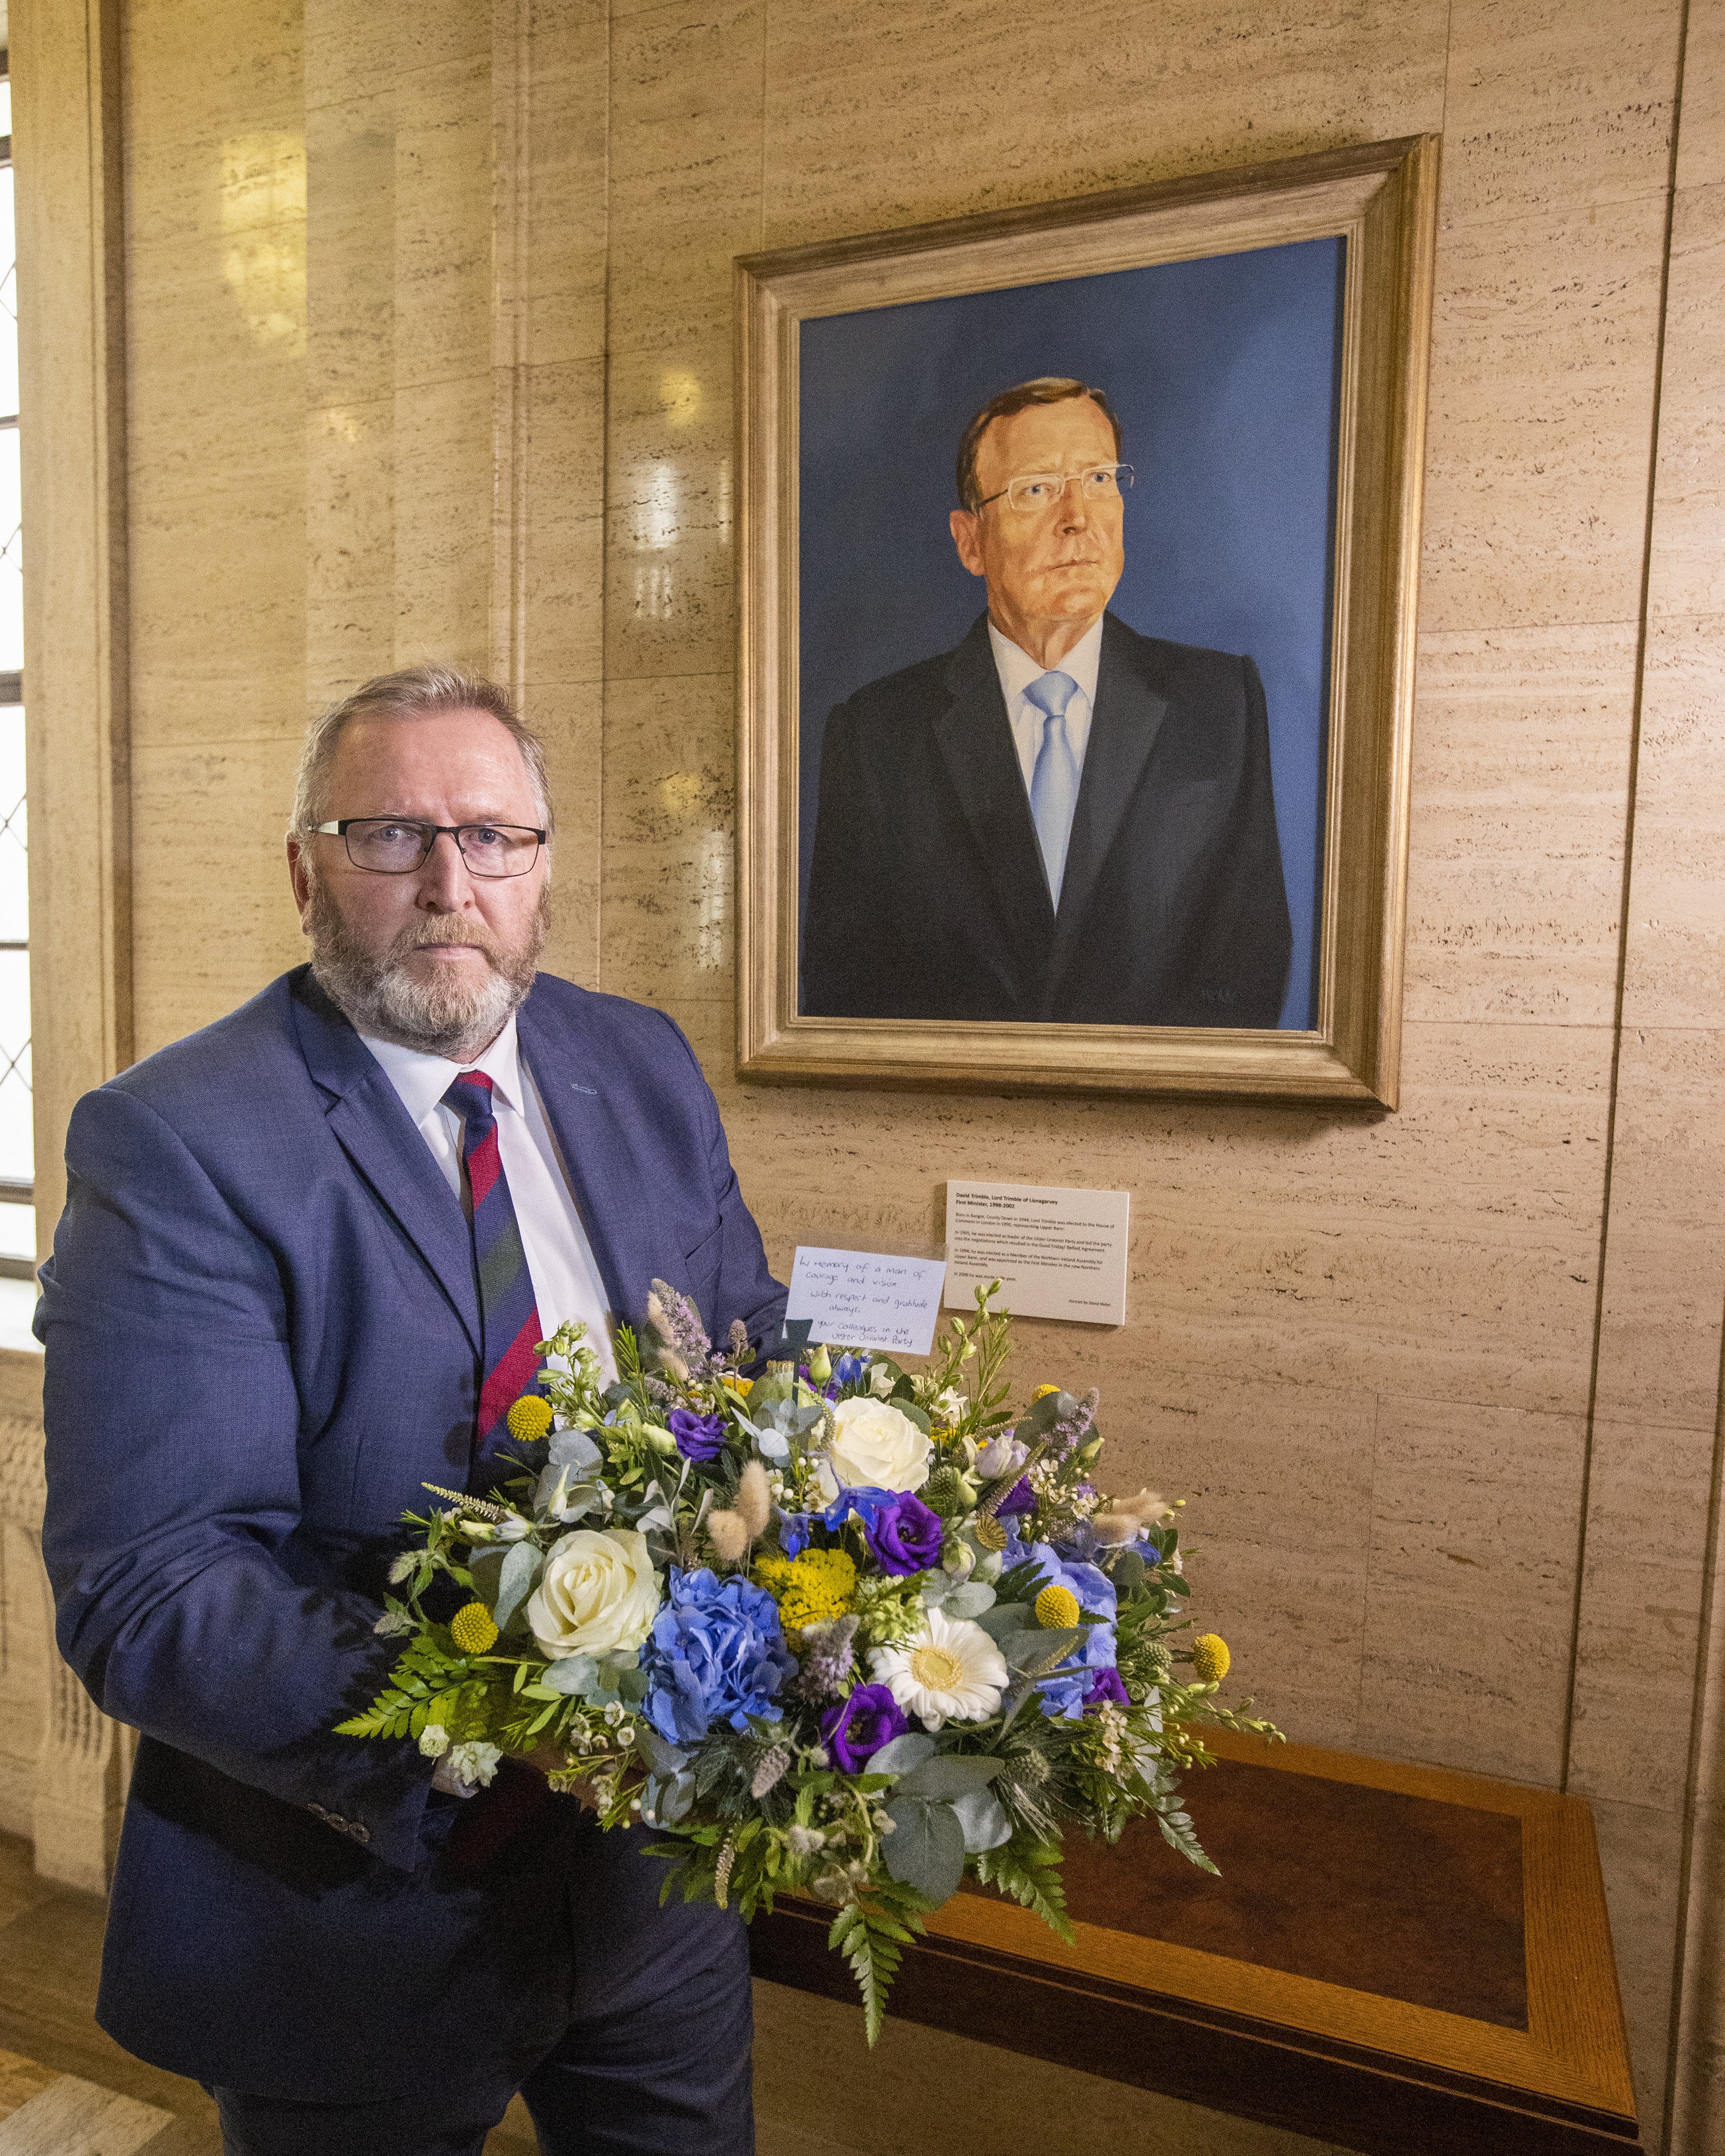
<point x="268" y="1326"/>
<point x="1060" y="819"/>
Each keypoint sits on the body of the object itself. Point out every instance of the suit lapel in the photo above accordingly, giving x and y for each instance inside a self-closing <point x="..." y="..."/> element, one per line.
<point x="1123" y="730"/>
<point x="592" y="1143"/>
<point x="376" y="1132"/>
<point x="975" y="742"/>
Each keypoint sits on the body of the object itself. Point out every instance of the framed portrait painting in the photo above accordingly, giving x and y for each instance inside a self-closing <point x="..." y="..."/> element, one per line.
<point x="1080" y="545"/>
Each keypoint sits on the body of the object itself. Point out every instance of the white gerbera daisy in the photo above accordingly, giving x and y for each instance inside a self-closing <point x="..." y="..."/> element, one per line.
<point x="950" y="1670"/>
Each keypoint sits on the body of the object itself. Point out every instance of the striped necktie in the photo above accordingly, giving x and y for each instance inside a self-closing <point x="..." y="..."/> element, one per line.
<point x="509" y="1315"/>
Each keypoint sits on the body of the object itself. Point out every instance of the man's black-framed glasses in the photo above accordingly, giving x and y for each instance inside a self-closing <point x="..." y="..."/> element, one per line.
<point x="397" y="845"/>
<point x="1033" y="490"/>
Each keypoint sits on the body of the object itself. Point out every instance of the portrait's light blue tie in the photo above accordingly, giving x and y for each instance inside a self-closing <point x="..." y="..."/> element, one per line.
<point x="1053" y="776"/>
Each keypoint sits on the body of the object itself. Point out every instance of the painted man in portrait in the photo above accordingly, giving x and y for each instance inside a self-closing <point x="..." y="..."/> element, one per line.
<point x="1060" y="820"/>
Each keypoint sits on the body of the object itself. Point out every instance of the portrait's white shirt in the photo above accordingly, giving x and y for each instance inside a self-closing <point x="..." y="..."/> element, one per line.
<point x="1018" y="669"/>
<point x="560" y="1260"/>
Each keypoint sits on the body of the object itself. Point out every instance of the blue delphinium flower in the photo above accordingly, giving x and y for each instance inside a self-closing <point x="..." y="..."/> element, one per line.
<point x="793" y="1532"/>
<point x="1067" y="1688"/>
<point x="868" y="1503"/>
<point x="716" y="1653"/>
<point x="850" y="1369"/>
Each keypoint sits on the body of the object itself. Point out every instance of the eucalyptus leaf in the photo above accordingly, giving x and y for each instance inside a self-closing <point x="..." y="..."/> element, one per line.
<point x="947" y="1776"/>
<point x="901" y="1754"/>
<point x="973" y="1599"/>
<point x="1002" y="1620"/>
<point x="632" y="1684"/>
<point x="664" y="1802"/>
<point x="983" y="1819"/>
<point x="572" y="1449"/>
<point x="572" y="1676"/>
<point x="1034" y="1654"/>
<point x="663" y="1759"/>
<point x="484" y="1567"/>
<point x="1128" y="1571"/>
<point x="520" y="1576"/>
<point x="926" y="1849"/>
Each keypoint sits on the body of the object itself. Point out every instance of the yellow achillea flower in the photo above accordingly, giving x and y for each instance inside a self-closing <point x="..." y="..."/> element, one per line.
<point x="1210" y="1658"/>
<point x="809" y="1589"/>
<point x="1056" y="1608"/>
<point x="529" y="1418"/>
<point x="742" y="1387"/>
<point x="473" y="1629"/>
<point x="1042" y="1392"/>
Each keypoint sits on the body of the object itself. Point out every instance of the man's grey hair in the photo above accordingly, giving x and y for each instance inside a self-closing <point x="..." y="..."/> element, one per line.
<point x="416" y="692"/>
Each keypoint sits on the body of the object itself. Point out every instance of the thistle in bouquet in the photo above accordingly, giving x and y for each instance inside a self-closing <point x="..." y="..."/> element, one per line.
<point x="840" y="1630"/>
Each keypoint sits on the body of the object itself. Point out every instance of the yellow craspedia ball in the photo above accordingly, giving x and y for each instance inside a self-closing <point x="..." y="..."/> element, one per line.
<point x="1210" y="1658"/>
<point x="474" y="1628"/>
<point x="529" y="1418"/>
<point x="1042" y="1392"/>
<point x="1056" y="1608"/>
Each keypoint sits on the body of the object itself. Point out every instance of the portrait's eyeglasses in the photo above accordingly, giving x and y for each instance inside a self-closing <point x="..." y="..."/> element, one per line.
<point x="1034" y="490"/>
<point x="397" y="845"/>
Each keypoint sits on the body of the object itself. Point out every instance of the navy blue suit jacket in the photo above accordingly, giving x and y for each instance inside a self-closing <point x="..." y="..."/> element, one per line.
<point x="928" y="898"/>
<point x="263" y="1338"/>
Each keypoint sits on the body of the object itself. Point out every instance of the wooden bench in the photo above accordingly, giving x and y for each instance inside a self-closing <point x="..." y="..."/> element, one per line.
<point x="1396" y="1959"/>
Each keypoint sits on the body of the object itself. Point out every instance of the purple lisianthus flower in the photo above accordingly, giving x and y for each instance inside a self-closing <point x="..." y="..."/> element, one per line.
<point x="700" y="1437"/>
<point x="905" y="1537"/>
<point x="1107" y="1691"/>
<point x="856" y="1729"/>
<point x="1020" y="1498"/>
<point x="715" y="1653"/>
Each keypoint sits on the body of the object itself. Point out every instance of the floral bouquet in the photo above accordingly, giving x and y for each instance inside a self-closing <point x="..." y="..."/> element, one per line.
<point x="841" y="1631"/>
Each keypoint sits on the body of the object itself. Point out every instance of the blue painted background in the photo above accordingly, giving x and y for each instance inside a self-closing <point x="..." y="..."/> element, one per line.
<point x="1224" y="372"/>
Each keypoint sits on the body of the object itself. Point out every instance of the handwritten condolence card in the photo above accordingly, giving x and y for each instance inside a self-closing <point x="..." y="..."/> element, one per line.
<point x="861" y="1298"/>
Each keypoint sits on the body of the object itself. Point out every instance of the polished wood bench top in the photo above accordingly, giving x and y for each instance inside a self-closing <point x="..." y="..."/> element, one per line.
<point x="1396" y="1959"/>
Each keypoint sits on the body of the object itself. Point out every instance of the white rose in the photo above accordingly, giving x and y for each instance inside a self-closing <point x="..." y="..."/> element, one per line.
<point x="874" y="1447"/>
<point x="598" y="1593"/>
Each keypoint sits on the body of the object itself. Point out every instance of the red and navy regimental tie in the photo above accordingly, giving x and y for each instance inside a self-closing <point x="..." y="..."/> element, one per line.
<point x="508" y="1314"/>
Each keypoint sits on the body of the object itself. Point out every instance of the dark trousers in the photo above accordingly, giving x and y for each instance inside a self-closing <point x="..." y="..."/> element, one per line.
<point x="654" y="2061"/>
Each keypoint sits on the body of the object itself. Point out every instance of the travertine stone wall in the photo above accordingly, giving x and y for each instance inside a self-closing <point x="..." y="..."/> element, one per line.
<point x="429" y="330"/>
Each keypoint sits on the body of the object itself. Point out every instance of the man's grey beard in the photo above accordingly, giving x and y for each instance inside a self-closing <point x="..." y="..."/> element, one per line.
<point x="448" y="1018"/>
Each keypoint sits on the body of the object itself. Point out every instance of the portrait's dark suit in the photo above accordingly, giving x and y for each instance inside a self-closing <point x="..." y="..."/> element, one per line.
<point x="263" y="1334"/>
<point x="928" y="900"/>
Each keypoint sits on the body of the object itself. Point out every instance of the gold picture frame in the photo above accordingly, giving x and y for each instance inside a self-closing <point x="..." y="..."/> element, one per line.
<point x="1380" y="200"/>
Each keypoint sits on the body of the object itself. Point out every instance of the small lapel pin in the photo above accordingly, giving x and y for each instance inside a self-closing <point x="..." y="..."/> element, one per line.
<point x="576" y="1086"/>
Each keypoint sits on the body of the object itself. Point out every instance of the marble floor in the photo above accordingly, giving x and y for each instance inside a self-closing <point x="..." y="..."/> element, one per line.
<point x="67" y="2090"/>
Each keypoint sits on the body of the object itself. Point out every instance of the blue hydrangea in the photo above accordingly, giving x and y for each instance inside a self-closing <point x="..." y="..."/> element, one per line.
<point x="1065" y="1692"/>
<point x="716" y="1653"/>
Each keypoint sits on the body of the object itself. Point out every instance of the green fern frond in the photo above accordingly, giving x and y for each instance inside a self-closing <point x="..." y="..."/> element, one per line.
<point x="1032" y="1876"/>
<point x="871" y="1933"/>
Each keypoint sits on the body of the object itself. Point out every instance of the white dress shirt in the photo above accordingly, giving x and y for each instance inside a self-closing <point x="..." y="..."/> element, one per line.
<point x="560" y="1260"/>
<point x="1018" y="669"/>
